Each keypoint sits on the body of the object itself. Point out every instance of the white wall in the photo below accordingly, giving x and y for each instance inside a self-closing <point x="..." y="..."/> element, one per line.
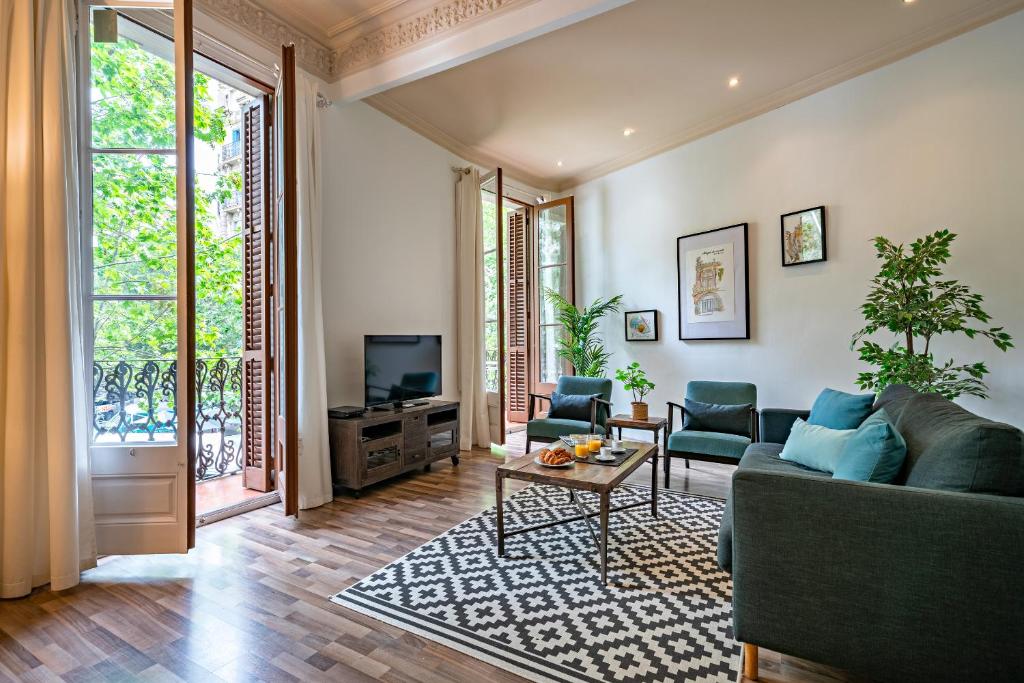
<point x="933" y="141"/>
<point x="389" y="242"/>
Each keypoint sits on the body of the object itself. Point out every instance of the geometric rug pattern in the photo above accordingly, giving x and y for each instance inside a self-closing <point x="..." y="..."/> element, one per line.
<point x="542" y="612"/>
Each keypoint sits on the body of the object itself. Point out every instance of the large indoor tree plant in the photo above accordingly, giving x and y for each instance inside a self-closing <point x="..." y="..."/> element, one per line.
<point x="909" y="298"/>
<point x="581" y="344"/>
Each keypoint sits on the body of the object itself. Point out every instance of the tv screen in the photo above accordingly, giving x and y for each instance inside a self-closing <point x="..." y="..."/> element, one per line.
<point x="401" y="367"/>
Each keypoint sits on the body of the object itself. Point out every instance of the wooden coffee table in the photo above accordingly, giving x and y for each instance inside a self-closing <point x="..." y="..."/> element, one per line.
<point x="599" y="479"/>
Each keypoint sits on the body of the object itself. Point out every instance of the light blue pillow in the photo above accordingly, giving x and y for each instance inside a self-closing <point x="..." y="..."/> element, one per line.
<point x="839" y="410"/>
<point x="875" y="453"/>
<point x="815" y="446"/>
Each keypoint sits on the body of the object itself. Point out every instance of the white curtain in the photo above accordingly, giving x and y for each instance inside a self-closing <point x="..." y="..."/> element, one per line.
<point x="474" y="428"/>
<point x="314" y="447"/>
<point x="46" y="531"/>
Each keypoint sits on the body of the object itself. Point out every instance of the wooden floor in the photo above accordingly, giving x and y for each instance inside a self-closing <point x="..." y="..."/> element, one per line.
<point x="250" y="602"/>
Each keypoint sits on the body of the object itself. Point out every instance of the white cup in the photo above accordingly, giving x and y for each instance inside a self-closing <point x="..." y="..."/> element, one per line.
<point x="616" y="445"/>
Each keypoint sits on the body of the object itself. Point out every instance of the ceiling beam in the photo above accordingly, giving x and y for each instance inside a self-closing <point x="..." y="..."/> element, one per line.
<point x="480" y="35"/>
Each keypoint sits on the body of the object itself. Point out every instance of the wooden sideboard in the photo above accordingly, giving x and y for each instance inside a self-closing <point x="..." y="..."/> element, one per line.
<point x="382" y="444"/>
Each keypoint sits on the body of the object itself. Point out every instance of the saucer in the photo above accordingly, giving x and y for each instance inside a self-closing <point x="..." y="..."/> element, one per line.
<point x="605" y="458"/>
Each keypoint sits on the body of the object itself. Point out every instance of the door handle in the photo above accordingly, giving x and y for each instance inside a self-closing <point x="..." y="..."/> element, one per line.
<point x="131" y="452"/>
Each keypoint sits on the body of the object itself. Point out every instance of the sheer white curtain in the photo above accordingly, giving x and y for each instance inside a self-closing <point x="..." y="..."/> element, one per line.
<point x="46" y="531"/>
<point x="314" y="447"/>
<point x="474" y="428"/>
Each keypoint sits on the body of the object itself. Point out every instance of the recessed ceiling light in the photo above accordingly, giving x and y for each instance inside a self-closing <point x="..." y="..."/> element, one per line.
<point x="628" y="131"/>
<point x="734" y="81"/>
<point x="559" y="164"/>
<point x="908" y="2"/>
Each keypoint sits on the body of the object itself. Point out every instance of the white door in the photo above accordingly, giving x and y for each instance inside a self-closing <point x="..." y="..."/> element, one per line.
<point x="138" y="227"/>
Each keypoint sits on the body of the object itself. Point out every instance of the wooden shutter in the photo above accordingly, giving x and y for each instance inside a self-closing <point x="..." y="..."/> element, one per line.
<point x="256" y="406"/>
<point x="518" y="365"/>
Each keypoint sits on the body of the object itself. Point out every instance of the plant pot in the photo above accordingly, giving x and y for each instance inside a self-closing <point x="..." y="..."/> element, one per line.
<point x="639" y="411"/>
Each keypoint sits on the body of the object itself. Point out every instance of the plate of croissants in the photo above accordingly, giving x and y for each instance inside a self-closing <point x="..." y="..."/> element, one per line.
<point x="554" y="457"/>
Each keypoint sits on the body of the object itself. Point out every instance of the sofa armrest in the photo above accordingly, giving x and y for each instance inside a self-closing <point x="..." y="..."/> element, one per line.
<point x="776" y="423"/>
<point x="891" y="582"/>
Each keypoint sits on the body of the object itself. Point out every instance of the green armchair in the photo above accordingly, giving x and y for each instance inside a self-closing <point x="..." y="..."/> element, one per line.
<point x="711" y="446"/>
<point x="549" y="429"/>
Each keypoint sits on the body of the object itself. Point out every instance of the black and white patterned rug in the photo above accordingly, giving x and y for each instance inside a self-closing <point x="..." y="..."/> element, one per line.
<point x="541" y="611"/>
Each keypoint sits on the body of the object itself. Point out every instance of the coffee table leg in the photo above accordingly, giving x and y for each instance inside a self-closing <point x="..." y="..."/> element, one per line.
<point x="500" y="512"/>
<point x="605" y="506"/>
<point x="654" y="479"/>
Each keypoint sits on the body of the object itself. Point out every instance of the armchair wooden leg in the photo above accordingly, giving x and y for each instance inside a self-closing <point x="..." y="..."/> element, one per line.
<point x="668" y="468"/>
<point x="750" y="661"/>
<point x="527" y="444"/>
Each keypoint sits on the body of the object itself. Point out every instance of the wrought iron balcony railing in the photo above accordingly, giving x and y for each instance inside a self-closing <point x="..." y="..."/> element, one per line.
<point x="134" y="401"/>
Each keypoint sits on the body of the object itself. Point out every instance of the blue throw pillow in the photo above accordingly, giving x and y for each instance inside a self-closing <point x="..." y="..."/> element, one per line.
<point x="875" y="453"/>
<point x="712" y="417"/>
<point x="571" y="406"/>
<point x="815" y="446"/>
<point x="839" y="410"/>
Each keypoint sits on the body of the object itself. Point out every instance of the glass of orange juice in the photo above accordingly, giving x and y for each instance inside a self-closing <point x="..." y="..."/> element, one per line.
<point x="594" y="442"/>
<point x="581" y="445"/>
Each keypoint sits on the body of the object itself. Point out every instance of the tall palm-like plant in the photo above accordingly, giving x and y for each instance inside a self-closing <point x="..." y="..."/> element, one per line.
<point x="581" y="344"/>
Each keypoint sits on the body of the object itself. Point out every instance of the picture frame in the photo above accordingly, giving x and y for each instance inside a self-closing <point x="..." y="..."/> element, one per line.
<point x="641" y="326"/>
<point x="803" y="236"/>
<point x="713" y="279"/>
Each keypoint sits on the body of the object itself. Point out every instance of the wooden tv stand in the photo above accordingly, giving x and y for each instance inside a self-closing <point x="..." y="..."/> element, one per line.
<point x="385" y="443"/>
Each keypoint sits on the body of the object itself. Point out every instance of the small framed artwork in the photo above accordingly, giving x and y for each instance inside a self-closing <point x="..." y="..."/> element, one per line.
<point x="642" y="325"/>
<point x="803" y="237"/>
<point x="714" y="290"/>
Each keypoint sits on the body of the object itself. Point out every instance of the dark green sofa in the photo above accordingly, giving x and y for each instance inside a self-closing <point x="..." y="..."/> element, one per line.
<point x="922" y="580"/>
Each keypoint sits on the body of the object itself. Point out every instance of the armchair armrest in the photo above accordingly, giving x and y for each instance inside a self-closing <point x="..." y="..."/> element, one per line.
<point x="891" y="582"/>
<point x="777" y="422"/>
<point x="532" y="401"/>
<point x="594" y="403"/>
<point x="671" y="407"/>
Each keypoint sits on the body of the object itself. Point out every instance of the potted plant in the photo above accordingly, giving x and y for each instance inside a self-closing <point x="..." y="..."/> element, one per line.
<point x="909" y="299"/>
<point x="634" y="379"/>
<point x="581" y="344"/>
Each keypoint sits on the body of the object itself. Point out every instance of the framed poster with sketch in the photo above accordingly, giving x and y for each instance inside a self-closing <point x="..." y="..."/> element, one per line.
<point x="714" y="291"/>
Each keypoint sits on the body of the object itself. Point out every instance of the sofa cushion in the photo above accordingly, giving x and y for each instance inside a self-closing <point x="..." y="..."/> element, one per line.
<point x="875" y="453"/>
<point x="761" y="456"/>
<point x="840" y="410"/>
<point x="708" y="443"/>
<point x="554" y="427"/>
<point x="815" y="446"/>
<point x="713" y="417"/>
<point x="951" y="449"/>
<point x="894" y="399"/>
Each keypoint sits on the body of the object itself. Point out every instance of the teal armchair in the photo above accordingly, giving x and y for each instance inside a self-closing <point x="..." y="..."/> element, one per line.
<point x="711" y="446"/>
<point x="548" y="429"/>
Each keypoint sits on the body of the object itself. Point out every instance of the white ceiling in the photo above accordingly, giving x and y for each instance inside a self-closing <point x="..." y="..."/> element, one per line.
<point x="660" y="67"/>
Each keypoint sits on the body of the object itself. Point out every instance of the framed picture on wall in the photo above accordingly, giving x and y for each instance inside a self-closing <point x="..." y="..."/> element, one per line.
<point x="803" y="237"/>
<point x="642" y="325"/>
<point x="712" y="269"/>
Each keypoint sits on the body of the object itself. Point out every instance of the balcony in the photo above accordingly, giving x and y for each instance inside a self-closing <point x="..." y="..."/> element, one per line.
<point x="134" y="402"/>
<point x="230" y="151"/>
<point x="233" y="201"/>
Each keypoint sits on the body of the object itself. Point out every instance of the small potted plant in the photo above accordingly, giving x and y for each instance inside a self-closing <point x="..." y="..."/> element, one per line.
<point x="634" y="379"/>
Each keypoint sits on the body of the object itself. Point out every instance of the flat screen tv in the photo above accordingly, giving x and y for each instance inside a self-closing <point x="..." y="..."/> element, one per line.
<point x="401" y="368"/>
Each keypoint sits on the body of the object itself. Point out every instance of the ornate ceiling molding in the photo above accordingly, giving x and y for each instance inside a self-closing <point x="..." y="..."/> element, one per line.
<point x="431" y="23"/>
<point x="272" y="32"/>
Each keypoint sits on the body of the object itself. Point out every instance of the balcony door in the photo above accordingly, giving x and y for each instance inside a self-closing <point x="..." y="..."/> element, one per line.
<point x="139" y="251"/>
<point x="551" y="269"/>
<point x="284" y="296"/>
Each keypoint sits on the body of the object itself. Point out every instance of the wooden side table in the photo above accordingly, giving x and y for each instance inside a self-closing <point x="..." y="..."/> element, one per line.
<point x="651" y="424"/>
